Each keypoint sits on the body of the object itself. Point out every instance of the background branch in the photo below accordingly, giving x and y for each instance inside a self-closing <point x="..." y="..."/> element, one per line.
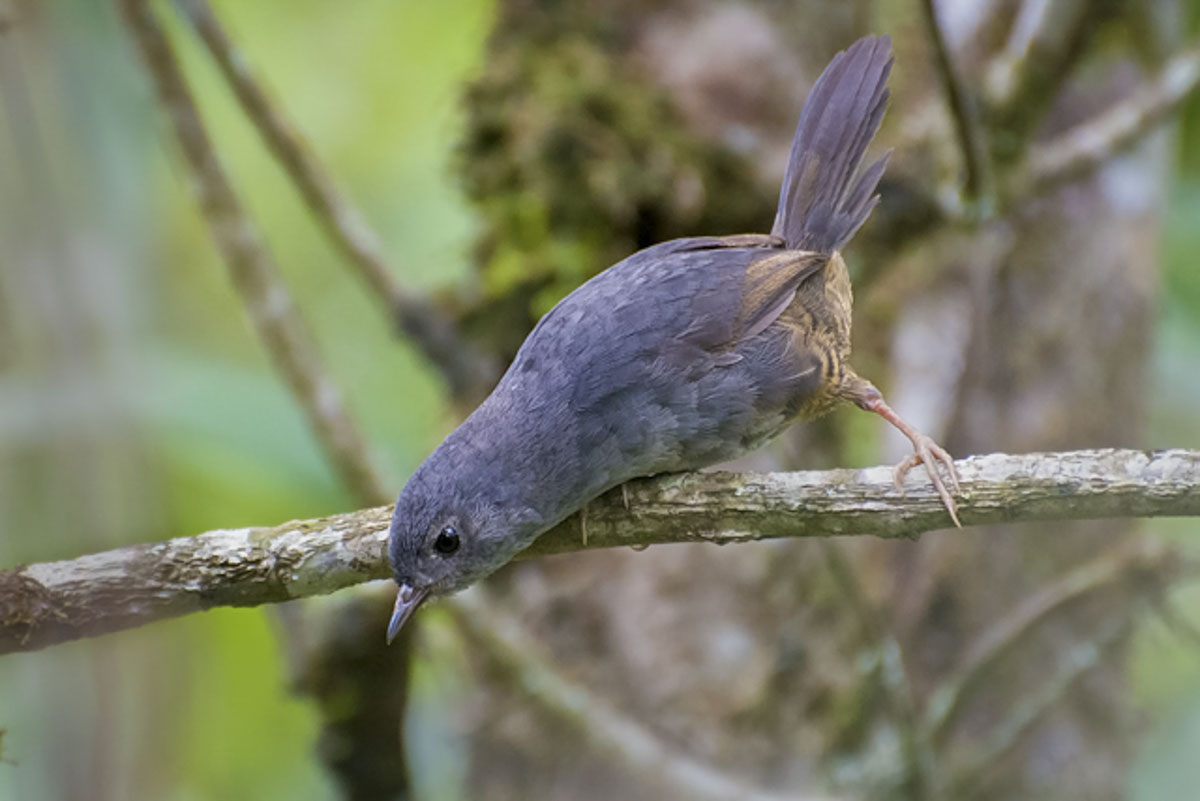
<point x="882" y="647"/>
<point x="47" y="603"/>
<point x="1123" y="563"/>
<point x="468" y="372"/>
<point x="636" y="747"/>
<point x="1045" y="42"/>
<point x="1090" y="145"/>
<point x="977" y="185"/>
<point x="252" y="271"/>
<point x="361" y="743"/>
<point x="1023" y="719"/>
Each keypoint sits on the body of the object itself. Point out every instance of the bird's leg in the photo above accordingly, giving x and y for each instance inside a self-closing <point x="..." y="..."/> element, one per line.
<point x="925" y="450"/>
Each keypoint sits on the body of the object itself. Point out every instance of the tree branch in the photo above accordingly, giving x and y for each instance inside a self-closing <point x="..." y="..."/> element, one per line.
<point x="1046" y="40"/>
<point x="47" y="603"/>
<point x="968" y="127"/>
<point x="1010" y="732"/>
<point x="252" y="271"/>
<point x="1089" y="145"/>
<point x="1123" y="563"/>
<point x="608" y="729"/>
<point x="469" y="373"/>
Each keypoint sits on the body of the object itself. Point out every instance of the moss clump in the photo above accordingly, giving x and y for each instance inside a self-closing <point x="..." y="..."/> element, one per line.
<point x="574" y="162"/>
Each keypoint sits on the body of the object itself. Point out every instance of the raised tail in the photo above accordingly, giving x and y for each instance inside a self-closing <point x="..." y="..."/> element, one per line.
<point x="824" y="200"/>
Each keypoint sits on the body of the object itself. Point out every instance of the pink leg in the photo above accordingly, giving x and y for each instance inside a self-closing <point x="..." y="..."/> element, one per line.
<point x="925" y="450"/>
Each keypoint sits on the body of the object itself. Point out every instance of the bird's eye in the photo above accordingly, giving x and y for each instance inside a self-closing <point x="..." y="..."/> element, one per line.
<point x="447" y="541"/>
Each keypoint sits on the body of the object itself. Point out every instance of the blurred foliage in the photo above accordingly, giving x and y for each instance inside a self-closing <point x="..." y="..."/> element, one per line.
<point x="1165" y="665"/>
<point x="1181" y="276"/>
<point x="1189" y="151"/>
<point x="440" y="677"/>
<point x="172" y="421"/>
<point x="205" y="434"/>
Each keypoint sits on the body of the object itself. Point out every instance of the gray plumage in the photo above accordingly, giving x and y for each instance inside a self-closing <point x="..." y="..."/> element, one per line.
<point x="686" y="353"/>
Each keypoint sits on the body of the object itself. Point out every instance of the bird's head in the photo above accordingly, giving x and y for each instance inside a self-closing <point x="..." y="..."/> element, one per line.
<point x="443" y="539"/>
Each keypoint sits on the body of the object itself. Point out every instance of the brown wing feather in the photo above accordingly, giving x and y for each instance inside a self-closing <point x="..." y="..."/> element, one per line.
<point x="770" y="286"/>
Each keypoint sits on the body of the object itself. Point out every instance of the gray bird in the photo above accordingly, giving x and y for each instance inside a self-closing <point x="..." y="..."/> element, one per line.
<point x="685" y="354"/>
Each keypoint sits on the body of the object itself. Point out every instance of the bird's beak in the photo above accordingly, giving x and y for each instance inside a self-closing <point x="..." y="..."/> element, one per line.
<point x="407" y="601"/>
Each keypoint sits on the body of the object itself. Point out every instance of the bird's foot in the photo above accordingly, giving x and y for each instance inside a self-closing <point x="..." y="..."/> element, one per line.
<point x="927" y="452"/>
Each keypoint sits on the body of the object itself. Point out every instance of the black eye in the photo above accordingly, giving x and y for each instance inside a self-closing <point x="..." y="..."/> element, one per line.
<point x="447" y="541"/>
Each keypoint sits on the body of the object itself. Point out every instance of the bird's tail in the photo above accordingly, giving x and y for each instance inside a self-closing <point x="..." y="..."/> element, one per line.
<point x="824" y="198"/>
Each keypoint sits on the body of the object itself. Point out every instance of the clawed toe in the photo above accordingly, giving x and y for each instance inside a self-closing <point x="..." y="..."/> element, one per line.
<point x="930" y="454"/>
<point x="925" y="450"/>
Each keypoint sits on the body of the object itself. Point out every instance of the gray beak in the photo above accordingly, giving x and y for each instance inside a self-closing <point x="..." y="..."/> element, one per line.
<point x="407" y="601"/>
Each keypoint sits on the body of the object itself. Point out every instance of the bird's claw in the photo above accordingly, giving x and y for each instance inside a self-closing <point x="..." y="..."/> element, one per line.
<point x="930" y="454"/>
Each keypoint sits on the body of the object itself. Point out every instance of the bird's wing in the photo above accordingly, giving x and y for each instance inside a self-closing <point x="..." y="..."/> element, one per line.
<point x="704" y="294"/>
<point x="770" y="285"/>
<point x="766" y="277"/>
<point x="669" y="356"/>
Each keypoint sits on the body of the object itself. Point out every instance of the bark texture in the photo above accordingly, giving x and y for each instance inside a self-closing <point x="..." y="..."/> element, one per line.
<point x="46" y="603"/>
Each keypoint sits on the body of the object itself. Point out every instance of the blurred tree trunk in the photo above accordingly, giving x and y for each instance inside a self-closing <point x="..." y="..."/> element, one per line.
<point x="600" y="127"/>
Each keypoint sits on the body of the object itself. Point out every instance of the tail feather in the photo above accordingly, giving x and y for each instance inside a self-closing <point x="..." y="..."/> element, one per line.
<point x="821" y="203"/>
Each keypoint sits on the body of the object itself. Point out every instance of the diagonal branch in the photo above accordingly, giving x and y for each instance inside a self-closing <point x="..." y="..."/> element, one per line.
<point x="967" y="125"/>
<point x="1071" y="155"/>
<point x="1091" y="144"/>
<point x="252" y="270"/>
<point x="607" y="728"/>
<point x="468" y="372"/>
<point x="1121" y="564"/>
<point x="1022" y="720"/>
<point x="344" y="224"/>
<point x="44" y="604"/>
<point x="1047" y="38"/>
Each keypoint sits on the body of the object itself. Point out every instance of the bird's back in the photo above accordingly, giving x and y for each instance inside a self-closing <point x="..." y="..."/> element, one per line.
<point x="650" y="370"/>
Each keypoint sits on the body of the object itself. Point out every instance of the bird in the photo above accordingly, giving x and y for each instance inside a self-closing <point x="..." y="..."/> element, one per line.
<point x="687" y="353"/>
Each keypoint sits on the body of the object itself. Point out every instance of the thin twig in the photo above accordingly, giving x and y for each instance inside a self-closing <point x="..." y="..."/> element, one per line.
<point x="253" y="272"/>
<point x="1069" y="156"/>
<point x="468" y="372"/>
<point x="977" y="187"/>
<point x="344" y="224"/>
<point x="47" y="603"/>
<point x="1011" y="732"/>
<point x="1091" y="144"/>
<point x="1005" y="635"/>
<point x="1047" y="37"/>
<point x="609" y="730"/>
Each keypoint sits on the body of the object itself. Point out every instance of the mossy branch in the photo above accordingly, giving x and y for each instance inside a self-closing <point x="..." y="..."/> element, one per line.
<point x="53" y="602"/>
